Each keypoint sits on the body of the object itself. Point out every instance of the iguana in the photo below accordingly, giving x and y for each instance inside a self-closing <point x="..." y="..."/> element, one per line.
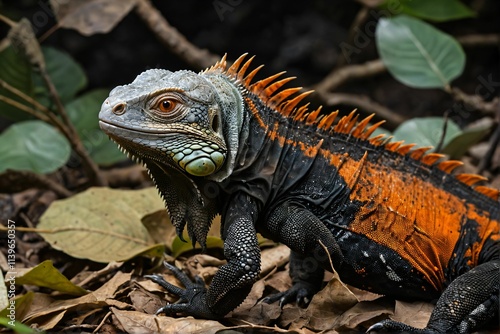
<point x="390" y="218"/>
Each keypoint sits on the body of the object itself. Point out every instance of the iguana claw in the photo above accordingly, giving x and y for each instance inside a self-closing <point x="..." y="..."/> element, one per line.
<point x="300" y="292"/>
<point x="191" y="299"/>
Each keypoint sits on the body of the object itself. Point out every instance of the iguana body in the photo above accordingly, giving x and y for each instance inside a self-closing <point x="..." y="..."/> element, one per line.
<point x="394" y="220"/>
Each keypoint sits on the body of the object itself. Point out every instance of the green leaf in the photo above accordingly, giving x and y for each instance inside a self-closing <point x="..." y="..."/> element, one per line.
<point x="67" y="76"/>
<point x="102" y="224"/>
<point x="83" y="113"/>
<point x="34" y="146"/>
<point x="17" y="327"/>
<point x="426" y="131"/>
<point x="16" y="70"/>
<point x="460" y="143"/>
<point x="417" y="54"/>
<point x="439" y="11"/>
<point x="47" y="276"/>
<point x="22" y="305"/>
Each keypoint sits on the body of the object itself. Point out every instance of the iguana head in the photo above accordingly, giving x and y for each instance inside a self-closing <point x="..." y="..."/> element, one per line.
<point x="172" y="118"/>
<point x="184" y="128"/>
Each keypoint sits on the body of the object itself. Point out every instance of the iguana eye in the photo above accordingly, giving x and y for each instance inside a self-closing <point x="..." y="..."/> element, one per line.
<point x="166" y="105"/>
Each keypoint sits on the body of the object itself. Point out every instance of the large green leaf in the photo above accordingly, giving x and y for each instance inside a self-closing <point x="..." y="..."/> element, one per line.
<point x="103" y="224"/>
<point x="67" y="76"/>
<point x="426" y="131"/>
<point x="16" y="70"/>
<point x="439" y="11"/>
<point x="83" y="112"/>
<point x="417" y="54"/>
<point x="34" y="146"/>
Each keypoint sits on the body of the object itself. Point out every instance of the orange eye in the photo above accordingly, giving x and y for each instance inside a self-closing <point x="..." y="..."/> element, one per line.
<point x="166" y="105"/>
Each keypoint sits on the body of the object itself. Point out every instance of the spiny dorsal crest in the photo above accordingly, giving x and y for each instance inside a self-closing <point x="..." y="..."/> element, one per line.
<point x="283" y="101"/>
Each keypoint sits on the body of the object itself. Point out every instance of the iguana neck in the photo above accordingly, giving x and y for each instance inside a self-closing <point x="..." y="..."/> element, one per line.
<point x="229" y="98"/>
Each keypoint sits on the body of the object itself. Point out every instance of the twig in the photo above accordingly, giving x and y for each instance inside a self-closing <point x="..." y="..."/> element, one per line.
<point x="16" y="181"/>
<point x="474" y="40"/>
<point x="91" y="169"/>
<point x="346" y="73"/>
<point x="46" y="115"/>
<point x="8" y="21"/>
<point x="131" y="176"/>
<point x="96" y="330"/>
<point x="476" y="101"/>
<point x="112" y="266"/>
<point x="24" y="108"/>
<point x="363" y="102"/>
<point x="440" y="143"/>
<point x="172" y="38"/>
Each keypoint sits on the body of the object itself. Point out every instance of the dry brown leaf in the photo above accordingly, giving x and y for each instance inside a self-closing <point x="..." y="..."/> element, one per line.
<point x="255" y="312"/>
<point x="292" y="313"/>
<point x="137" y="322"/>
<point x="363" y="295"/>
<point x="279" y="281"/>
<point x="326" y="306"/>
<point x="91" y="17"/>
<point x="415" y="314"/>
<point x="146" y="302"/>
<point x="274" y="257"/>
<point x="23" y="38"/>
<point x="160" y="227"/>
<point x="203" y="265"/>
<point x="150" y="286"/>
<point x="364" y="314"/>
<point x="50" y="313"/>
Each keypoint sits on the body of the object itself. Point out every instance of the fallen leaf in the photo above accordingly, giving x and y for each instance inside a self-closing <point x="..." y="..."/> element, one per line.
<point x="415" y="314"/>
<point x="279" y="281"/>
<point x="254" y="312"/>
<point x="102" y="297"/>
<point x="273" y="258"/>
<point x="137" y="322"/>
<point x="160" y="227"/>
<point x="102" y="224"/>
<point x="203" y="265"/>
<point x="326" y="306"/>
<point x="45" y="275"/>
<point x="145" y="302"/>
<point x="91" y="17"/>
<point x="22" y="305"/>
<point x="364" y="314"/>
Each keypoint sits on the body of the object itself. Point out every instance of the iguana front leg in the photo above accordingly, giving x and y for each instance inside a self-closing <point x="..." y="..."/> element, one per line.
<point x="313" y="247"/>
<point x="234" y="280"/>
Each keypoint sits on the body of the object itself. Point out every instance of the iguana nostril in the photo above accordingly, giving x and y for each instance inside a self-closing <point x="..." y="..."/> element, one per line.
<point x="119" y="108"/>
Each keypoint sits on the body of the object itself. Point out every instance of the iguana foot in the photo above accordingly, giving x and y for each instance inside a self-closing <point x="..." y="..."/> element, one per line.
<point x="300" y="292"/>
<point x="191" y="299"/>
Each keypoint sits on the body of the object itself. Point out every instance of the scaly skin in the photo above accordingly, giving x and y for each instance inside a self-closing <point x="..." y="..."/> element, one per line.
<point x="391" y="219"/>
